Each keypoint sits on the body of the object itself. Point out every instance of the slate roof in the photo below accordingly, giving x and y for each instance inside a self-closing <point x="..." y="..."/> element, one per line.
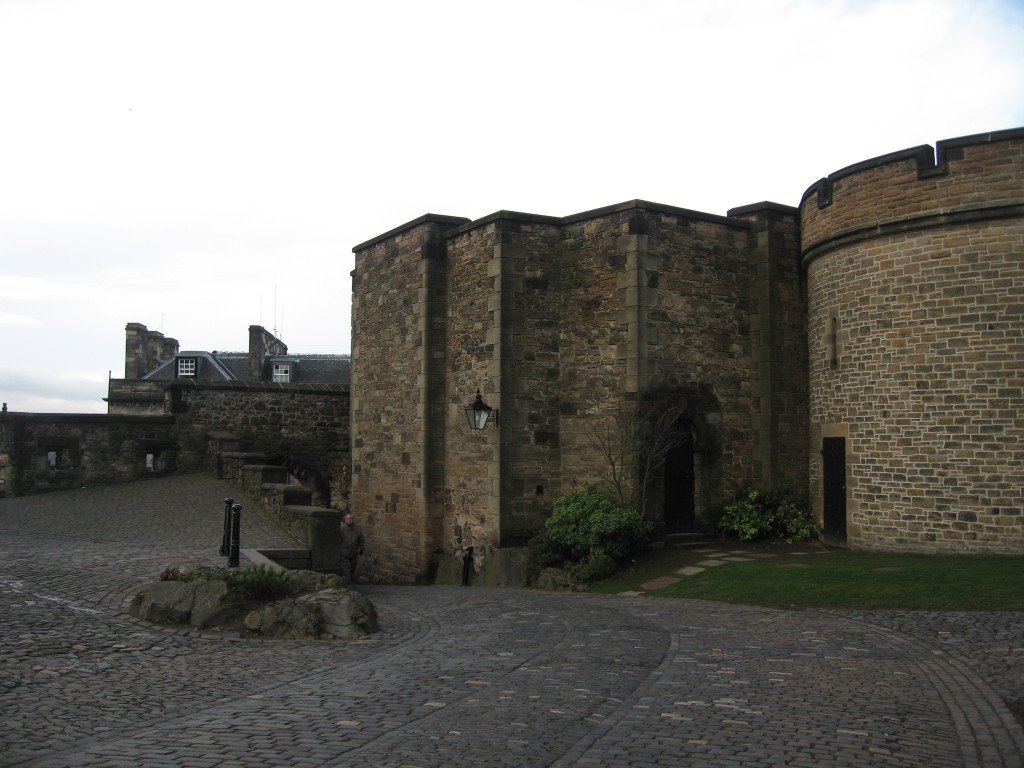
<point x="234" y="366"/>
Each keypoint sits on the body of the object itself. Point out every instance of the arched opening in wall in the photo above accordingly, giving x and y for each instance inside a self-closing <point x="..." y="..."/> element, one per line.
<point x="305" y="475"/>
<point x="680" y="488"/>
<point x="679" y="450"/>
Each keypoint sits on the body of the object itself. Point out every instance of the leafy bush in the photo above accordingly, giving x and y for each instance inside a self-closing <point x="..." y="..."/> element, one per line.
<point x="543" y="553"/>
<point x="593" y="532"/>
<point x="767" y="515"/>
<point x="263" y="582"/>
<point x="596" y="566"/>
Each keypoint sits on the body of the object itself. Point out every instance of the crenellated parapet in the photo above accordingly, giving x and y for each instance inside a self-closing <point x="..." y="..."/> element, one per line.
<point x="971" y="178"/>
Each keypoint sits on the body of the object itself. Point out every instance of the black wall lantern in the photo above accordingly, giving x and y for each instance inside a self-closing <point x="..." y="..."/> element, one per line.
<point x="478" y="412"/>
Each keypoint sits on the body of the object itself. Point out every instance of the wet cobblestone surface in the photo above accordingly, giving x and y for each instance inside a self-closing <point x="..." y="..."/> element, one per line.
<point x="464" y="677"/>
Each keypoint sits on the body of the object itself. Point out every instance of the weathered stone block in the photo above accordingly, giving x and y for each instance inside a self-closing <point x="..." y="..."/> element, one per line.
<point x="506" y="567"/>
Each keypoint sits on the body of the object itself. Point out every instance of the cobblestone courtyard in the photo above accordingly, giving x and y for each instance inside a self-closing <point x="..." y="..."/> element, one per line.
<point x="464" y="677"/>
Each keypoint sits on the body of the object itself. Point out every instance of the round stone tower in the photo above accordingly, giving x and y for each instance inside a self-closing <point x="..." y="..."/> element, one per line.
<point x="915" y="280"/>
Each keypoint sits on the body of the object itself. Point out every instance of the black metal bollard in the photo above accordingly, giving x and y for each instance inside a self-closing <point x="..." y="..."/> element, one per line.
<point x="236" y="535"/>
<point x="225" y="540"/>
<point x="467" y="565"/>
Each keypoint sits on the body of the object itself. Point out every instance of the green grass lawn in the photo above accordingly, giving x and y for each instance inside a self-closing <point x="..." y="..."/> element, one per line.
<point x="811" y="575"/>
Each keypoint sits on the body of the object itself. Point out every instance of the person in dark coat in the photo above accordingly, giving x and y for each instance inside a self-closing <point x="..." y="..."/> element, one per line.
<point x="351" y="547"/>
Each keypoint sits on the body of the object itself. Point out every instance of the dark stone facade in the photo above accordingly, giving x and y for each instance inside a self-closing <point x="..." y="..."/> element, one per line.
<point x="558" y="321"/>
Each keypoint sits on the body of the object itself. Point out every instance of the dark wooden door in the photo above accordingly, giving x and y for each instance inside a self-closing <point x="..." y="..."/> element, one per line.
<point x="680" y="514"/>
<point x="833" y="452"/>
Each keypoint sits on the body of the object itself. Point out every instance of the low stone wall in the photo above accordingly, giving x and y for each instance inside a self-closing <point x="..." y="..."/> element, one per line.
<point x="57" y="451"/>
<point x="316" y="528"/>
<point x="300" y="427"/>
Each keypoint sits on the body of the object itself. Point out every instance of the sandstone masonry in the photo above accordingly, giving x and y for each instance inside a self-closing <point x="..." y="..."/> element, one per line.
<point x="916" y="296"/>
<point x="864" y="348"/>
<point x="557" y="321"/>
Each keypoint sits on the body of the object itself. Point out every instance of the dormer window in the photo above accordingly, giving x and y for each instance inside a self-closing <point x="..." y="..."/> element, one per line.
<point x="186" y="366"/>
<point x="282" y="373"/>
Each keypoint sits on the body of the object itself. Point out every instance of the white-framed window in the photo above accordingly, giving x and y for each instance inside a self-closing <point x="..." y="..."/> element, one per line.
<point x="186" y="366"/>
<point x="282" y="372"/>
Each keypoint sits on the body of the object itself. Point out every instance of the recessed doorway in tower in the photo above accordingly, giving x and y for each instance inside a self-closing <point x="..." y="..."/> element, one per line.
<point x="833" y="474"/>
<point x="680" y="488"/>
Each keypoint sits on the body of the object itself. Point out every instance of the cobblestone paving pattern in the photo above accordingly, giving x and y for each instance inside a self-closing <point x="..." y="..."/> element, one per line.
<point x="460" y="677"/>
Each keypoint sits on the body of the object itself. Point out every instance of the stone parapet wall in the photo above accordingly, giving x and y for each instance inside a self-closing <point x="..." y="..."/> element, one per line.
<point x="303" y="427"/>
<point x="290" y="505"/>
<point x="53" y="451"/>
<point x="921" y="183"/>
<point x="915" y="351"/>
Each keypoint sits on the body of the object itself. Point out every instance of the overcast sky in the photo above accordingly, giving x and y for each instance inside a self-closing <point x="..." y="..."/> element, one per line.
<point x="199" y="167"/>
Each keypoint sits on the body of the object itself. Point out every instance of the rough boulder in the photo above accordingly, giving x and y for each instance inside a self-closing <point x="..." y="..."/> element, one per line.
<point x="326" y="608"/>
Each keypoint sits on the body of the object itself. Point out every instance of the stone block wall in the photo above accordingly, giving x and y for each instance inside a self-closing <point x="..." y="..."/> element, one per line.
<point x="703" y="311"/>
<point x="556" y="322"/>
<point x="473" y="312"/>
<point x="696" y="350"/>
<point x="399" y="405"/>
<point x="135" y="396"/>
<point x="915" y="282"/>
<point x="50" y="451"/>
<point x="778" y="347"/>
<point x="503" y="308"/>
<point x="304" y="427"/>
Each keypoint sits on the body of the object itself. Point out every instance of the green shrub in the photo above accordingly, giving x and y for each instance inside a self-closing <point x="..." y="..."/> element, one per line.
<point x="543" y="553"/>
<point x="593" y="532"/>
<point x="596" y="566"/>
<point x="767" y="515"/>
<point x="263" y="582"/>
<point x="260" y="582"/>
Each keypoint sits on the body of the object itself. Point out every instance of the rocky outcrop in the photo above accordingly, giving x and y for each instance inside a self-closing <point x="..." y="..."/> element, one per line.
<point x="326" y="608"/>
<point x="330" y="614"/>
<point x="201" y="603"/>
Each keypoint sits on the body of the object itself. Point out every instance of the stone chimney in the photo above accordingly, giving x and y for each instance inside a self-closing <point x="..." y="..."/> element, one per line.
<point x="135" y="350"/>
<point x="261" y="344"/>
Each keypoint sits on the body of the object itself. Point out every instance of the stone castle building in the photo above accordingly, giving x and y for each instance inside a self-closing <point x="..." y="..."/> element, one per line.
<point x="863" y="348"/>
